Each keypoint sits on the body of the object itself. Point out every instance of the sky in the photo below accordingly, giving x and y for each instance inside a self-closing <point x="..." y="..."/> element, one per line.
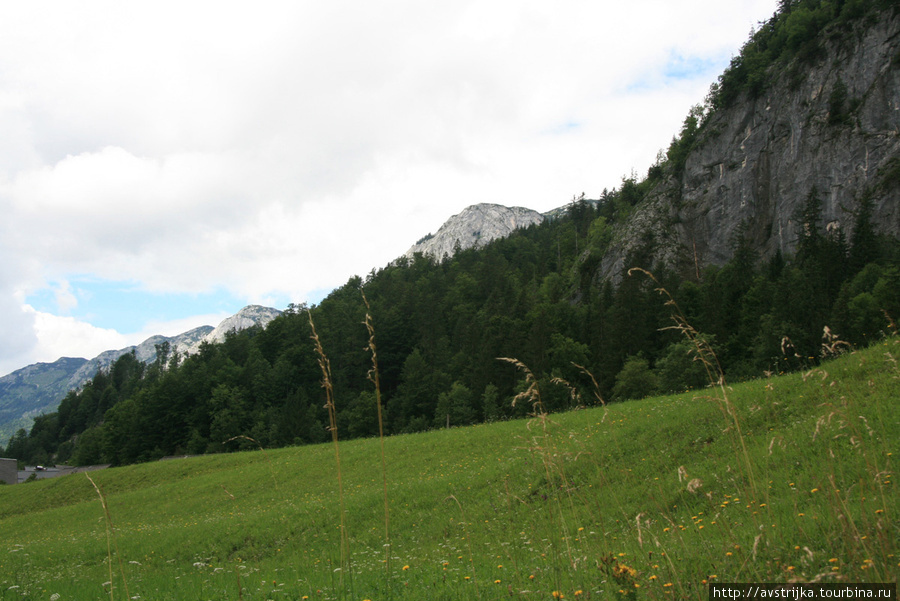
<point x="163" y="164"/>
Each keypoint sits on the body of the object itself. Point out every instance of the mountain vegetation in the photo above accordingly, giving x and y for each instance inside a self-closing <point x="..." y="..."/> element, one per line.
<point x="539" y="295"/>
<point x="440" y="328"/>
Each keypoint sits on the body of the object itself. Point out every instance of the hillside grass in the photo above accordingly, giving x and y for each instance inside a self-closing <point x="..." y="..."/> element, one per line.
<point x="647" y="499"/>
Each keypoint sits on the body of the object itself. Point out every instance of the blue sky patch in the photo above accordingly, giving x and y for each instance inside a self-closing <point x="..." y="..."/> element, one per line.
<point x="125" y="306"/>
<point x="680" y="68"/>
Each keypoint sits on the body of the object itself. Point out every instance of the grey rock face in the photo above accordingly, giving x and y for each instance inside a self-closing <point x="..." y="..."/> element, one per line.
<point x="145" y="352"/>
<point x="249" y="316"/>
<point x="475" y="226"/>
<point x="758" y="161"/>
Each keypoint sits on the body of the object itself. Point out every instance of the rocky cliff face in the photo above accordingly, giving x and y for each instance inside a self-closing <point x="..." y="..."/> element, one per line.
<point x="475" y="226"/>
<point x="757" y="162"/>
<point x="249" y="316"/>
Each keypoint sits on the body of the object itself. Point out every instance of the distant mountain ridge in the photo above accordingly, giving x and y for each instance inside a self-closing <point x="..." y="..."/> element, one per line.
<point x="38" y="388"/>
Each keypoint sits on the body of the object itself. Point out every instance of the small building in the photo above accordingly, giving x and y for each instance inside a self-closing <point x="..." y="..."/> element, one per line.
<point x="9" y="471"/>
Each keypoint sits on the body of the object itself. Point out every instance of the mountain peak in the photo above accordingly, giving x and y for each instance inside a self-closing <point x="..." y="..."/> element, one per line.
<point x="474" y="227"/>
<point x="249" y="316"/>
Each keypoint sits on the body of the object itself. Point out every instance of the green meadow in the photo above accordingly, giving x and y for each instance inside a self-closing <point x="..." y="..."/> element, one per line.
<point x="783" y="479"/>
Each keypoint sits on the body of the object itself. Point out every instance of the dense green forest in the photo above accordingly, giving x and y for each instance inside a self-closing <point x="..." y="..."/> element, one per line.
<point x="441" y="325"/>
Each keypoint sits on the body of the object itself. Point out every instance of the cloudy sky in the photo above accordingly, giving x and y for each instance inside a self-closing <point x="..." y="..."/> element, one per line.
<point x="163" y="164"/>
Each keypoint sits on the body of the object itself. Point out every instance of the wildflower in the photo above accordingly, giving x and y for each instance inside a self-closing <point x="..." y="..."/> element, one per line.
<point x="557" y="595"/>
<point x="833" y="560"/>
<point x="579" y="592"/>
<point x="496" y="581"/>
<point x="405" y="568"/>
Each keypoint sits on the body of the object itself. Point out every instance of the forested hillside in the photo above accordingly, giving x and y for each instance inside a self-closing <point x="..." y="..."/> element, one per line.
<point x="539" y="295"/>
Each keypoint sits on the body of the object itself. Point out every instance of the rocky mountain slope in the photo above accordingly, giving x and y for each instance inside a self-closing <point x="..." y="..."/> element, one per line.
<point x="38" y="388"/>
<point x="830" y="128"/>
<point x="475" y="226"/>
<point x="249" y="316"/>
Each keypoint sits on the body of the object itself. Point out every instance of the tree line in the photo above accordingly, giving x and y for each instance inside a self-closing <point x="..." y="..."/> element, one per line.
<point x="441" y="325"/>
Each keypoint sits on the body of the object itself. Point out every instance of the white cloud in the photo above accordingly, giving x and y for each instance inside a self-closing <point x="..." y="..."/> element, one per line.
<point x="65" y="298"/>
<point x="63" y="336"/>
<point x="279" y="149"/>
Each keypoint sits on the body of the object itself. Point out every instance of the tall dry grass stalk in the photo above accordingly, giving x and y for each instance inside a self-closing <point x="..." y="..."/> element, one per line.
<point x="545" y="447"/>
<point x="375" y="378"/>
<point x="705" y="354"/>
<point x="110" y="534"/>
<point x="325" y="366"/>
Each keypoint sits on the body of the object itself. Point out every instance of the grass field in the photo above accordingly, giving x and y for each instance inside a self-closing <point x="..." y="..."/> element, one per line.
<point x="790" y="479"/>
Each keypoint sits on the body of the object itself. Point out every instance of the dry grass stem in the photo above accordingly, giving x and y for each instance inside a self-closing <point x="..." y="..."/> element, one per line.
<point x="110" y="533"/>
<point x="375" y="378"/>
<point x="325" y="366"/>
<point x="545" y="448"/>
<point x="704" y="353"/>
<point x="596" y="391"/>
<point x="532" y="394"/>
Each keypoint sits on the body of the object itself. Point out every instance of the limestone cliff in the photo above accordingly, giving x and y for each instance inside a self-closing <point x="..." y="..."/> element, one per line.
<point x="756" y="162"/>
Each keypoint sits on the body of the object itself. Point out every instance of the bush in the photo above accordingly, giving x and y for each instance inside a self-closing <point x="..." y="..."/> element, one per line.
<point x="635" y="381"/>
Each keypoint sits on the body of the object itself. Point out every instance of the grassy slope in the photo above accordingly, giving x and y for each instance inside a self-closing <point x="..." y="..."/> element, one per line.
<point x="652" y="497"/>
